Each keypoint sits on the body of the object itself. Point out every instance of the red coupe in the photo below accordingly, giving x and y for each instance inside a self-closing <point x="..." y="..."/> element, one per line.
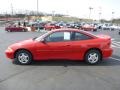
<point x="62" y="44"/>
<point x="15" y="28"/>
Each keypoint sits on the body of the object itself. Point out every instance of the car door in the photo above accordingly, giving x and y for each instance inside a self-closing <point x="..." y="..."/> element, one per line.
<point x="79" y="44"/>
<point x="56" y="46"/>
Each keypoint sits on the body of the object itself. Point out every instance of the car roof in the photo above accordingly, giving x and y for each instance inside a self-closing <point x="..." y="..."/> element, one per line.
<point x="65" y="29"/>
<point x="76" y="30"/>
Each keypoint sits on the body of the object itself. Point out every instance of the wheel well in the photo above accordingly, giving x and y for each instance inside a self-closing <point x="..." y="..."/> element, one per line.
<point x="22" y="49"/>
<point x="94" y="49"/>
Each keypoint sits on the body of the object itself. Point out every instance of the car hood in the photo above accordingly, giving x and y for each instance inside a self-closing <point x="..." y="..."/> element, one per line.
<point x="24" y="44"/>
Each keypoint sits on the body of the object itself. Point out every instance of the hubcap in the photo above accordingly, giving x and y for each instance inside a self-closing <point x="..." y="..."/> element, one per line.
<point x="93" y="57"/>
<point x="23" y="58"/>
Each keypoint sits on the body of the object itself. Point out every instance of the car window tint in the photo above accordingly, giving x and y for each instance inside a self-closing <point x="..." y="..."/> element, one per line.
<point x="80" y="36"/>
<point x="58" y="36"/>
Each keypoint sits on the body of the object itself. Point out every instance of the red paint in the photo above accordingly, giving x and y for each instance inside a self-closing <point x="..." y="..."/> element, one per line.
<point x="15" y="28"/>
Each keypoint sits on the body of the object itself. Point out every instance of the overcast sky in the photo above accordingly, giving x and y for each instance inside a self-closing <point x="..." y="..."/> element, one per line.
<point x="79" y="8"/>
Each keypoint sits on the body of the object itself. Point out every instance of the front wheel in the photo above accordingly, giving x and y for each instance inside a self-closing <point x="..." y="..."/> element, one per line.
<point x="93" y="57"/>
<point x="9" y="30"/>
<point x="23" y="57"/>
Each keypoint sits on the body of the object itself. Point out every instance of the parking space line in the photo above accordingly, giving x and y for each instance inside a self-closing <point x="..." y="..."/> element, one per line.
<point x="116" y="43"/>
<point x="115" y="58"/>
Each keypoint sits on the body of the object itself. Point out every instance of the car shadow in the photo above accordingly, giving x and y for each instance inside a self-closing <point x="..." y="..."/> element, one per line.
<point x="66" y="63"/>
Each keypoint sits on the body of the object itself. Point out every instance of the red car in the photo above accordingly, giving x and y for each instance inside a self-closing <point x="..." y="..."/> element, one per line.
<point x="14" y="28"/>
<point x="50" y="26"/>
<point x="61" y="44"/>
<point x="88" y="27"/>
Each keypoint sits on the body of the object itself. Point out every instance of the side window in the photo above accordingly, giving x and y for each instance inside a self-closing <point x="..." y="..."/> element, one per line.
<point x="58" y="36"/>
<point x="80" y="36"/>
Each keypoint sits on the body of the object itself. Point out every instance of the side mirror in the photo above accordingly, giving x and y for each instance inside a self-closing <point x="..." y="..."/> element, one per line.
<point x="43" y="40"/>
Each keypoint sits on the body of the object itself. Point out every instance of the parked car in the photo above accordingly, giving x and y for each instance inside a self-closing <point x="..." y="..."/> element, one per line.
<point x="50" y="26"/>
<point x="39" y="25"/>
<point x="88" y="27"/>
<point x="15" y="28"/>
<point x="69" y="44"/>
<point x="107" y="26"/>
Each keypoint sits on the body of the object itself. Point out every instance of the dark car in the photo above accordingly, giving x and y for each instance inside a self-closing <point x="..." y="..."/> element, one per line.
<point x="39" y="25"/>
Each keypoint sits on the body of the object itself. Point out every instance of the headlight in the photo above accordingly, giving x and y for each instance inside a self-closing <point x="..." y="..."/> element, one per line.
<point x="9" y="49"/>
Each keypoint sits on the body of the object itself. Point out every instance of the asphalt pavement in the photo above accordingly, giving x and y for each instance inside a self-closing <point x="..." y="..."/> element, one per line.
<point x="58" y="75"/>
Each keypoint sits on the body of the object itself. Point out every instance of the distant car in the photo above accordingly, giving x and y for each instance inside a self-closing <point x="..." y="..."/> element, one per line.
<point x="50" y="26"/>
<point x="108" y="26"/>
<point x="62" y="44"/>
<point x="38" y="25"/>
<point x="88" y="27"/>
<point x="114" y="27"/>
<point x="74" y="25"/>
<point x="13" y="28"/>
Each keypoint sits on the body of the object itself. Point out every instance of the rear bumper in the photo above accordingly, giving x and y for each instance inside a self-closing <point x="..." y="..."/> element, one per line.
<point x="107" y="52"/>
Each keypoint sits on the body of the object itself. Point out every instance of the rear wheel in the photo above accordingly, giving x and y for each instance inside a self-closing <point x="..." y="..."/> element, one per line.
<point x="23" y="30"/>
<point x="93" y="57"/>
<point x="23" y="57"/>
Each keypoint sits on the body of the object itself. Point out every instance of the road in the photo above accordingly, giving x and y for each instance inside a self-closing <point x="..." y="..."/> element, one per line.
<point x="58" y="75"/>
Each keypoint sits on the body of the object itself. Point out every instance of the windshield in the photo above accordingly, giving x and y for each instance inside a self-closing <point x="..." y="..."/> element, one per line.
<point x="42" y="36"/>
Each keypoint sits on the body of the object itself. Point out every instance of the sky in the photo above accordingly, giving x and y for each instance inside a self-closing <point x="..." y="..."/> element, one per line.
<point x="78" y="8"/>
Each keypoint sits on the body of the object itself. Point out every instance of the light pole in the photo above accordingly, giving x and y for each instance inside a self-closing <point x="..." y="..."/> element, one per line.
<point x="53" y="13"/>
<point x="90" y="8"/>
<point x="11" y="9"/>
<point x="99" y="16"/>
<point x="112" y="16"/>
<point x="37" y="7"/>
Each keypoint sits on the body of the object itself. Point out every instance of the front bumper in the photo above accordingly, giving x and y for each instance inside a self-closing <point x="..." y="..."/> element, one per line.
<point x="107" y="52"/>
<point x="9" y="54"/>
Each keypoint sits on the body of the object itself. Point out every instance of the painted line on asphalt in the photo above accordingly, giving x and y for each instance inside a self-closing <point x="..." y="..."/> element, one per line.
<point x="112" y="39"/>
<point x="115" y="58"/>
<point x="115" y="46"/>
<point x="116" y="42"/>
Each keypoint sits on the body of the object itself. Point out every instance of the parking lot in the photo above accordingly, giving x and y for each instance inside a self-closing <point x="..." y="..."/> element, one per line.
<point x="58" y="75"/>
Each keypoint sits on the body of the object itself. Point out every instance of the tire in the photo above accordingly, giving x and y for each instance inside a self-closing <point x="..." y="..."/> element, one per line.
<point x="23" y="30"/>
<point x="9" y="30"/>
<point x="119" y="33"/>
<point x="93" y="57"/>
<point x="94" y="30"/>
<point x="23" y="57"/>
